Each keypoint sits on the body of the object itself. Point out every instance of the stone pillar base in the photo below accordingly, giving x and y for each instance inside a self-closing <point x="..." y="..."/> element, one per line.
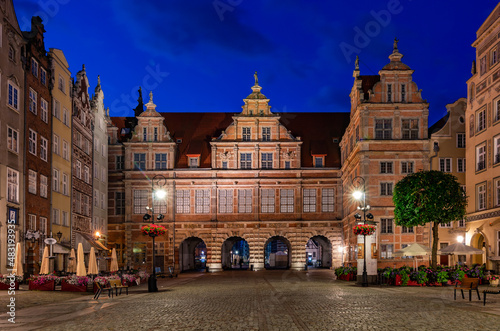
<point x="372" y="279"/>
<point x="256" y="266"/>
<point x="297" y="266"/>
<point x="214" y="267"/>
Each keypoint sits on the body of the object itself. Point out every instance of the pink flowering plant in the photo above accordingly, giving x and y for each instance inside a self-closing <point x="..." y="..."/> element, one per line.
<point x="43" y="279"/>
<point x="6" y="279"/>
<point x="363" y="229"/>
<point x="78" y="280"/>
<point x="142" y="275"/>
<point x="153" y="230"/>
<point x="493" y="277"/>
<point x="103" y="281"/>
<point x="129" y="278"/>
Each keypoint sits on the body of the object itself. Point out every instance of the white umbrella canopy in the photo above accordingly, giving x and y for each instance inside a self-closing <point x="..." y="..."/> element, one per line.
<point x="44" y="268"/>
<point x="80" y="266"/>
<point x="18" y="263"/>
<point x="72" y="262"/>
<point x="92" y="263"/>
<point x="414" y="249"/>
<point x="459" y="249"/>
<point x="114" y="261"/>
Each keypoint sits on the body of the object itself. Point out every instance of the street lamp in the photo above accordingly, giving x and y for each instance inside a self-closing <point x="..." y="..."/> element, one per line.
<point x="159" y="181"/>
<point x="360" y="194"/>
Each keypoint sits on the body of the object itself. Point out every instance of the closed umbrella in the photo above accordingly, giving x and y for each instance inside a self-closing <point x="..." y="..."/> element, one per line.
<point x="92" y="263"/>
<point x="459" y="249"/>
<point x="18" y="263"/>
<point x="72" y="262"/>
<point x="80" y="266"/>
<point x="114" y="261"/>
<point x="44" y="269"/>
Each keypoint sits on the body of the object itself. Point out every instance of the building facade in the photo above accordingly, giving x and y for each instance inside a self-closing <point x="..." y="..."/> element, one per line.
<point x="483" y="145"/>
<point x="11" y="130"/>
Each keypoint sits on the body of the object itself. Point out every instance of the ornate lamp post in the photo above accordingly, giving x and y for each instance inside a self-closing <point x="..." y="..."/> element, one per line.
<point x="159" y="181"/>
<point x="359" y="194"/>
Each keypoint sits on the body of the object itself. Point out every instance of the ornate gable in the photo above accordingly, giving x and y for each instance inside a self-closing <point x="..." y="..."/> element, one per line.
<point x="150" y="127"/>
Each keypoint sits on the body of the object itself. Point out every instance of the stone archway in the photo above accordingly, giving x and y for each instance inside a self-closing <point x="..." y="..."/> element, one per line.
<point x="235" y="253"/>
<point x="478" y="241"/>
<point x="319" y="252"/>
<point x="277" y="253"/>
<point x="192" y="254"/>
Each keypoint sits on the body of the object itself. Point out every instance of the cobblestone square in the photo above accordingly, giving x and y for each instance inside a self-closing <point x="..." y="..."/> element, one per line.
<point x="264" y="300"/>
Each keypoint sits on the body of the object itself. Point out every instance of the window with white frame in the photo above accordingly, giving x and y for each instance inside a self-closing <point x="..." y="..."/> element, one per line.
<point x="386" y="251"/>
<point x="493" y="56"/>
<point x="461" y="223"/>
<point x="267" y="200"/>
<point x="13" y="95"/>
<point x="86" y="174"/>
<point x="32" y="101"/>
<point x="406" y="229"/>
<point x="65" y="184"/>
<point x="202" y="201"/>
<point x="460" y="140"/>
<point x="60" y="84"/>
<point x="32" y="181"/>
<point x="55" y="180"/>
<point x="12" y="185"/>
<point x="481" y="196"/>
<point x="481" y="157"/>
<point x="409" y="129"/>
<point x="383" y="129"/>
<point x="78" y="169"/>
<point x="386" y="189"/>
<point x="43" y="76"/>
<point x="445" y="164"/>
<point x="103" y="201"/>
<point x="32" y="222"/>
<point x="386" y="225"/>
<point x="119" y="203"/>
<point x="55" y="144"/>
<point x="140" y="201"/>
<point x="55" y="215"/>
<point x="182" y="201"/>
<point x="12" y="140"/>
<point x="267" y="160"/>
<point x="461" y="165"/>
<point x="65" y="218"/>
<point x="327" y="200"/>
<point x="266" y="134"/>
<point x="96" y="198"/>
<point x="44" y="146"/>
<point x="56" y="109"/>
<point x="407" y="167"/>
<point x="286" y="201"/>
<point x="309" y="200"/>
<point x="246" y="134"/>
<point x="44" y="186"/>
<point x="246" y="161"/>
<point x="96" y="170"/>
<point x="481" y="120"/>
<point x="318" y="161"/>
<point x="32" y="142"/>
<point x="34" y="67"/>
<point x="445" y="225"/>
<point x="44" y="110"/>
<point x="386" y="167"/>
<point x="244" y="201"/>
<point x="194" y="161"/>
<point x="65" y="116"/>
<point x="225" y="201"/>
<point x="103" y="173"/>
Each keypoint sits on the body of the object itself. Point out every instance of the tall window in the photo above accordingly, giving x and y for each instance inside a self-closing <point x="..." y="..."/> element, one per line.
<point x="267" y="160"/>
<point x="55" y="144"/>
<point x="43" y="225"/>
<point x="32" y="181"/>
<point x="57" y="109"/>
<point x="96" y="169"/>
<point x="481" y="157"/>
<point x="119" y="203"/>
<point x="55" y="180"/>
<point x="266" y="134"/>
<point x="160" y="161"/>
<point x="482" y="65"/>
<point x="403" y="93"/>
<point x="383" y="129"/>
<point x="460" y="140"/>
<point x="78" y="168"/>
<point x="287" y="164"/>
<point x="386" y="167"/>
<point x="481" y="196"/>
<point x="65" y="117"/>
<point x="246" y="161"/>
<point x="481" y="120"/>
<point x="32" y="101"/>
<point x="12" y="185"/>
<point x="461" y="223"/>
<point x="309" y="203"/>
<point x="145" y="134"/>
<point x="55" y="214"/>
<point x="140" y="201"/>
<point x="65" y="184"/>
<point x="202" y="201"/>
<point x="32" y="222"/>
<point x="140" y="161"/>
<point x="43" y="76"/>
<point x="267" y="200"/>
<point x="119" y="162"/>
<point x="386" y="251"/>
<point x="461" y="165"/>
<point x="13" y="100"/>
<point x="96" y="198"/>
<point x="32" y="142"/>
<point x="410" y="129"/>
<point x="327" y="200"/>
<point x="493" y="56"/>
<point x="386" y="189"/>
<point x="407" y="229"/>
<point x="65" y="218"/>
<point x="44" y="146"/>
<point x="78" y="203"/>
<point x="34" y="67"/>
<point x="225" y="201"/>
<point x="44" y="110"/>
<point x="60" y="83"/>
<point x="44" y="183"/>
<point x="155" y="138"/>
<point x="182" y="201"/>
<point x="86" y="174"/>
<point x="246" y="134"/>
<point x="496" y="111"/>
<point x="245" y="201"/>
<point x="496" y="143"/>
<point x="286" y="201"/>
<point x="386" y="225"/>
<point x="12" y="140"/>
<point x="389" y="92"/>
<point x="445" y="164"/>
<point x="407" y="167"/>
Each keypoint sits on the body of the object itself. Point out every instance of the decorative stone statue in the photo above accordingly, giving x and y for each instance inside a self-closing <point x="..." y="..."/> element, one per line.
<point x="256" y="79"/>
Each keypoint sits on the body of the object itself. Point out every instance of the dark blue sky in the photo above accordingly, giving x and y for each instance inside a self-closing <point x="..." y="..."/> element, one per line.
<point x="200" y="55"/>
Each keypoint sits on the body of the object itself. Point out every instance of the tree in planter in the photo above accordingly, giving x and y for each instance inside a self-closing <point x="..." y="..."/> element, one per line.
<point x="429" y="197"/>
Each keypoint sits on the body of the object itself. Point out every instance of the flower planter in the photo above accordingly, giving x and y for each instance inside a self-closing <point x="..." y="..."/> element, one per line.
<point x="4" y="286"/>
<point x="49" y="286"/>
<point x="413" y="283"/>
<point x="494" y="282"/>
<point x="396" y="281"/>
<point x="72" y="288"/>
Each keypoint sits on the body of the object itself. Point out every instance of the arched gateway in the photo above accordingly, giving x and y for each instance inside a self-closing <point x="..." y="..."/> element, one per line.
<point x="277" y="253"/>
<point x="235" y="253"/>
<point x="192" y="254"/>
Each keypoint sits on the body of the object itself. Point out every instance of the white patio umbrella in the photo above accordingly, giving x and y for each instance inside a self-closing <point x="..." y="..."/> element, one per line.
<point x="80" y="266"/>
<point x="18" y="263"/>
<point x="92" y="263"/>
<point x="114" y="261"/>
<point x="459" y="249"/>
<point x="415" y="250"/>
<point x="72" y="262"/>
<point x="44" y="268"/>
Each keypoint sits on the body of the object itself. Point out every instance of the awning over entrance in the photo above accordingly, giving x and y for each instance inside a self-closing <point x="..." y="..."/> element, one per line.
<point x="88" y="241"/>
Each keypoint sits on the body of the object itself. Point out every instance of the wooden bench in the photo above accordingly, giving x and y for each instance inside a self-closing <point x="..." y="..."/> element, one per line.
<point x="489" y="292"/>
<point x="100" y="288"/>
<point x="468" y="284"/>
<point x="117" y="284"/>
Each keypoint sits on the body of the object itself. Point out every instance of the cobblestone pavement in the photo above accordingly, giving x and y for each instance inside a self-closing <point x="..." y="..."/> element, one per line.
<point x="264" y="300"/>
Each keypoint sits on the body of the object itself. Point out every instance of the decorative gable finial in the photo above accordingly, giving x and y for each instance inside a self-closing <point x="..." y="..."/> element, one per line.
<point x="151" y="96"/>
<point x="395" y="45"/>
<point x="256" y="79"/>
<point x="356" y="63"/>
<point x="98" y="80"/>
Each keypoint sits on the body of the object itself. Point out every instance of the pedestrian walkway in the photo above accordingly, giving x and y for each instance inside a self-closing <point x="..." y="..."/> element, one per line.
<point x="263" y="300"/>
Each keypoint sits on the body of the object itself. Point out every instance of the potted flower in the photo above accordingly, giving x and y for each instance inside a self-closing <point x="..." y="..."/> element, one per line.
<point x="142" y="276"/>
<point x="75" y="283"/>
<point x="494" y="280"/>
<point x="43" y="282"/>
<point x="8" y="282"/>
<point x="364" y="229"/>
<point x="153" y="230"/>
<point x="129" y="280"/>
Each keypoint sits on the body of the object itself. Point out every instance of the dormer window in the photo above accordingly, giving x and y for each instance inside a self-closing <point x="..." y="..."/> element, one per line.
<point x="318" y="161"/>
<point x="194" y="161"/>
<point x="389" y="92"/>
<point x="246" y="134"/>
<point x="266" y="134"/>
<point x="178" y="140"/>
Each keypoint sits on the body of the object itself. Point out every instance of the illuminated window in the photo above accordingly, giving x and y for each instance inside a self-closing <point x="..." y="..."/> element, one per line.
<point x="245" y="201"/>
<point x="481" y="196"/>
<point x="246" y="134"/>
<point x="327" y="200"/>
<point x="202" y="201"/>
<point x="383" y="129"/>
<point x="410" y="129"/>
<point x="266" y="134"/>
<point x="182" y="201"/>
<point x="267" y="200"/>
<point x="386" y="251"/>
<point x="309" y="201"/>
<point x="480" y="157"/>
<point x="32" y="181"/>
<point x="267" y="160"/>
<point x="286" y="201"/>
<point x="225" y="201"/>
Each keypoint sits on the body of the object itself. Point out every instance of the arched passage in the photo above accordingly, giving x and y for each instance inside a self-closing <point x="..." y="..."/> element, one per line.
<point x="235" y="253"/>
<point x="192" y="254"/>
<point x="478" y="242"/>
<point x="277" y="253"/>
<point x="319" y="252"/>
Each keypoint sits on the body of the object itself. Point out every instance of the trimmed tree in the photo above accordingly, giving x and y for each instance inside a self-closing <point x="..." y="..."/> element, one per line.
<point x="429" y="197"/>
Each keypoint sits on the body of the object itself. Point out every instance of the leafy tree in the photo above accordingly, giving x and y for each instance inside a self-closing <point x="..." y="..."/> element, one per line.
<point x="429" y="196"/>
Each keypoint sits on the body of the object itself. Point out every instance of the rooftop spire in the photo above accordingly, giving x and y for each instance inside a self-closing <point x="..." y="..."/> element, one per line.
<point x="396" y="41"/>
<point x="151" y="96"/>
<point x="256" y="79"/>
